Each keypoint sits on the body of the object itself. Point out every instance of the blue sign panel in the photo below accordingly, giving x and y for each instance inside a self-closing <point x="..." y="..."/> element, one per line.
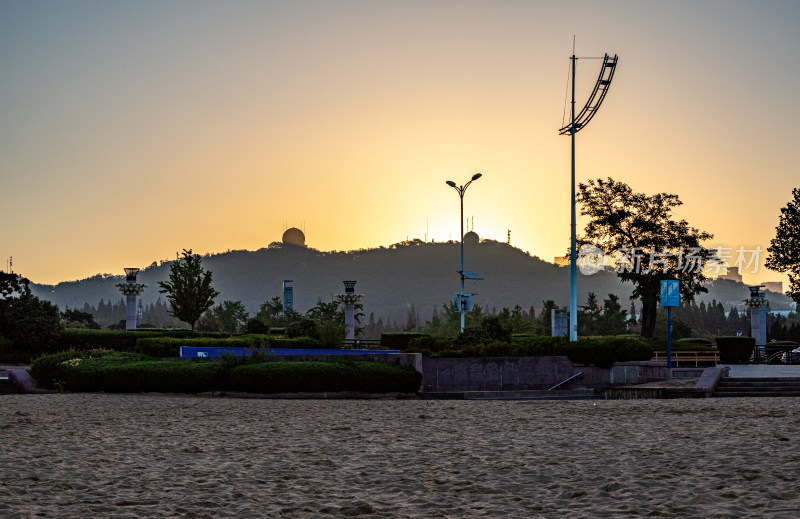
<point x="202" y="351"/>
<point x="670" y="292"/>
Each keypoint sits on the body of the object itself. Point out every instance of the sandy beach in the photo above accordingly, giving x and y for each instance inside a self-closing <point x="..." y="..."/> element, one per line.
<point x="97" y="455"/>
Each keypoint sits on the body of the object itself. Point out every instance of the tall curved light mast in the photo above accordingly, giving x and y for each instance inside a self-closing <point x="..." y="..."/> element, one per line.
<point x="579" y="122"/>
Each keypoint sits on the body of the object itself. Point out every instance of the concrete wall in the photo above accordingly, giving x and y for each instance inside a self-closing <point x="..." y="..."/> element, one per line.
<point x="530" y="373"/>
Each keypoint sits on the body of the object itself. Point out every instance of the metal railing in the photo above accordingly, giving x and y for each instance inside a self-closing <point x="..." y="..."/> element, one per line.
<point x="576" y="375"/>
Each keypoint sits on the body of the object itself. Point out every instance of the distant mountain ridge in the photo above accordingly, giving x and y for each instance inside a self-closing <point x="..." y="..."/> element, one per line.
<point x="390" y="278"/>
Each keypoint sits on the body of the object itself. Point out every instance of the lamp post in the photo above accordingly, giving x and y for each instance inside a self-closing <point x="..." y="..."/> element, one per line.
<point x="461" y="190"/>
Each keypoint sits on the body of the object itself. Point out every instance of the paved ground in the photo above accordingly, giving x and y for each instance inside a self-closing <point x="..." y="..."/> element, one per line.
<point x="763" y="370"/>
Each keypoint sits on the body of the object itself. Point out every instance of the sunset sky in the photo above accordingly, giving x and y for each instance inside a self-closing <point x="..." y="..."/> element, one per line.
<point x="132" y="130"/>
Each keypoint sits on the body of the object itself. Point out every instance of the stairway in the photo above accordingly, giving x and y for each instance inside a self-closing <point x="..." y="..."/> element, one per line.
<point x="759" y="387"/>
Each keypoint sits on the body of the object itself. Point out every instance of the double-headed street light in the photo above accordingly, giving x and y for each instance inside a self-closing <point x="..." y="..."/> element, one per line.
<point x="461" y="190"/>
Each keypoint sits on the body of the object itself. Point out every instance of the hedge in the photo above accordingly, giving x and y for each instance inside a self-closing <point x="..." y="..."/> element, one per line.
<point x="399" y="340"/>
<point x="428" y="345"/>
<point x="106" y="370"/>
<point x="735" y="350"/>
<point x="52" y="369"/>
<point x="602" y="352"/>
<point x="325" y="376"/>
<point x="123" y="340"/>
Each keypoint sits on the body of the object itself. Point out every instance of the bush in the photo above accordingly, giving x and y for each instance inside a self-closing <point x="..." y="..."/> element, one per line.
<point x="254" y="325"/>
<point x="601" y="352"/>
<point x="428" y="344"/>
<point x="303" y="328"/>
<point x="490" y="329"/>
<point x="399" y="340"/>
<point x="735" y="350"/>
<point x="163" y="376"/>
<point x="122" y="340"/>
<point x="328" y="376"/>
<point x="51" y="370"/>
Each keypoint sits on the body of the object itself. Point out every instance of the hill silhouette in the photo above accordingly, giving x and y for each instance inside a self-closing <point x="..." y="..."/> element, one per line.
<point x="390" y="278"/>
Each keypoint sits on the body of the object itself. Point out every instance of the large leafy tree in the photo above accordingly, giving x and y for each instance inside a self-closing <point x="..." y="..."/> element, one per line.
<point x="654" y="246"/>
<point x="32" y="325"/>
<point x="784" y="249"/>
<point x="188" y="290"/>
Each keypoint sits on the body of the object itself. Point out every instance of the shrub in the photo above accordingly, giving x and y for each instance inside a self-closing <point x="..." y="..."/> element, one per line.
<point x="428" y="344"/>
<point x="254" y="325"/>
<point x="327" y="376"/>
<point x="490" y="329"/>
<point x="303" y="328"/>
<point x="602" y="351"/>
<point x="164" y="376"/>
<point x="735" y="350"/>
<point x="51" y="370"/>
<point x="399" y="340"/>
<point x="122" y="340"/>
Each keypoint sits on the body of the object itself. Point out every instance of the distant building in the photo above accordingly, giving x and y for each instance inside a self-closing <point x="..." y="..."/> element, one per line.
<point x="732" y="274"/>
<point x="774" y="286"/>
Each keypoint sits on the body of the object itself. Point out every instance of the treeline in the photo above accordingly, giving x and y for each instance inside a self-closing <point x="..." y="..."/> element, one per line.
<point x="596" y="318"/>
<point x="110" y="314"/>
<point x="712" y="320"/>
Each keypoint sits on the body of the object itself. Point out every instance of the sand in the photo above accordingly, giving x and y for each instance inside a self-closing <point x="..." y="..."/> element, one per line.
<point x="96" y="455"/>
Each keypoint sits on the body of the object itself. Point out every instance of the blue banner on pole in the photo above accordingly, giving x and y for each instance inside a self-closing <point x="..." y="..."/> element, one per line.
<point x="670" y="292"/>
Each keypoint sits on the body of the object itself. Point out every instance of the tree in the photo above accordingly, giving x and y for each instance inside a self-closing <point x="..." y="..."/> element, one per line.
<point x="590" y="315"/>
<point x="228" y="316"/>
<point x="784" y="249"/>
<point x="613" y="319"/>
<point x="32" y="325"/>
<point x="188" y="290"/>
<point x="651" y="245"/>
<point x="84" y="318"/>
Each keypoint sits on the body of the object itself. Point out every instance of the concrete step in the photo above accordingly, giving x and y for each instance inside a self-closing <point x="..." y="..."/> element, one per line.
<point x="758" y="394"/>
<point x="758" y="387"/>
<point x="567" y="394"/>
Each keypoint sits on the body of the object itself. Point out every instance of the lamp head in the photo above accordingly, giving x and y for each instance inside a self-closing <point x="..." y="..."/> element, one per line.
<point x="450" y="183"/>
<point x="476" y="176"/>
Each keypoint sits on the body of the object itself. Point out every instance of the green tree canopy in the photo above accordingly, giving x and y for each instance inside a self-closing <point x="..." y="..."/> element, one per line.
<point x="188" y="290"/>
<point x="228" y="316"/>
<point x="654" y="244"/>
<point x="784" y="249"/>
<point x="32" y="325"/>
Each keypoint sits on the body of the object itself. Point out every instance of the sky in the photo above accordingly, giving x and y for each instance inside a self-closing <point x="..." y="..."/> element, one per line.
<point x="132" y="130"/>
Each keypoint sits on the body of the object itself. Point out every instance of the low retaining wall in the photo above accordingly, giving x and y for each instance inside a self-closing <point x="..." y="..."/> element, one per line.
<point x="530" y="373"/>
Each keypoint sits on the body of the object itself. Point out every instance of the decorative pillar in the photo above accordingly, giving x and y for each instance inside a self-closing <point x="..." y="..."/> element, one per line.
<point x="130" y="289"/>
<point x="349" y="299"/>
<point x="758" y="314"/>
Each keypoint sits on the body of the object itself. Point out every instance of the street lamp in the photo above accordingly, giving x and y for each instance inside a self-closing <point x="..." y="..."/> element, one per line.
<point x="461" y="190"/>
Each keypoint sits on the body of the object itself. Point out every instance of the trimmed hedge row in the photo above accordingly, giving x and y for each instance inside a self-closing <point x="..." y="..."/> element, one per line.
<point x="601" y="351"/>
<point x="106" y="370"/>
<point x="399" y="340"/>
<point x="122" y="340"/>
<point x="52" y="369"/>
<point x="317" y="377"/>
